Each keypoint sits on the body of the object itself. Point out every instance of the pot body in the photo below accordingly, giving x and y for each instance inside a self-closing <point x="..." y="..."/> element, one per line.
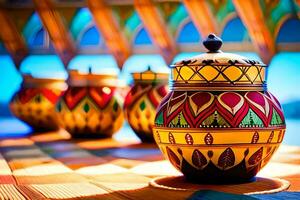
<point x="219" y="136"/>
<point x="90" y="108"/>
<point x="35" y="103"/>
<point x="219" y="124"/>
<point x="140" y="107"/>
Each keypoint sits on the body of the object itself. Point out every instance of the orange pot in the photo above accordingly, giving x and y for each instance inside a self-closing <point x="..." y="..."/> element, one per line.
<point x="142" y="100"/>
<point x="219" y="123"/>
<point x="35" y="102"/>
<point x="89" y="107"/>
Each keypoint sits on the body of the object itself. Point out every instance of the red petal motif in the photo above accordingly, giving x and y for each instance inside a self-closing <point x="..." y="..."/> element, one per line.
<point x="199" y="101"/>
<point x="231" y="101"/>
<point x="50" y="95"/>
<point x="176" y="101"/>
<point x="74" y="95"/>
<point x="25" y="95"/>
<point x="101" y="98"/>
<point x="260" y="105"/>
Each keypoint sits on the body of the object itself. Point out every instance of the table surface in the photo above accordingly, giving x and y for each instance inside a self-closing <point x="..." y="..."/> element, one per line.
<point x="53" y="166"/>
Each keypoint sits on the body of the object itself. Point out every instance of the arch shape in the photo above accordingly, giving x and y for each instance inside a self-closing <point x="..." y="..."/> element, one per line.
<point x="90" y="36"/>
<point x="132" y="26"/>
<point x="225" y="12"/>
<point x="288" y="30"/>
<point x="80" y="21"/>
<point x="39" y="38"/>
<point x="234" y="31"/>
<point x="84" y="29"/>
<point x="142" y="37"/>
<point x="188" y="33"/>
<point x="34" y="33"/>
<point x="178" y="18"/>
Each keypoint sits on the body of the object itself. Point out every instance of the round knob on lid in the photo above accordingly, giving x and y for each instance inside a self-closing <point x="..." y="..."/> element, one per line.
<point x="213" y="43"/>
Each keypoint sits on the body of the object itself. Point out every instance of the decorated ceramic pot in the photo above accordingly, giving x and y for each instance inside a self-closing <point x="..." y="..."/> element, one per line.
<point x="142" y="100"/>
<point x="219" y="123"/>
<point x="35" y="102"/>
<point x="89" y="107"/>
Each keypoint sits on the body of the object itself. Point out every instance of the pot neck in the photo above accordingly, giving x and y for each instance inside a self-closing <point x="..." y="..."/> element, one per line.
<point x="218" y="77"/>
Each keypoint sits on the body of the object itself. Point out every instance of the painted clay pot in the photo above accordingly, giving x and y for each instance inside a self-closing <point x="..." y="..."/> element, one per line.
<point x="35" y="102"/>
<point x="219" y="123"/>
<point x="142" y="100"/>
<point x="89" y="107"/>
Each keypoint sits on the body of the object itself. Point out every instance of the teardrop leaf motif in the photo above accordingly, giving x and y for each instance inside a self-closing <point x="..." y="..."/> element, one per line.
<point x="269" y="150"/>
<point x="246" y="152"/>
<point x="255" y="138"/>
<point x="226" y="159"/>
<point x="198" y="159"/>
<point x="158" y="137"/>
<point x="171" y="138"/>
<point x="142" y="105"/>
<point x="189" y="139"/>
<point x="38" y="99"/>
<point x="86" y="107"/>
<point x="279" y="136"/>
<point x="210" y="154"/>
<point x="58" y="107"/>
<point x="208" y="139"/>
<point x="173" y="158"/>
<point x="115" y="106"/>
<point x="179" y="151"/>
<point x="271" y="137"/>
<point x="256" y="157"/>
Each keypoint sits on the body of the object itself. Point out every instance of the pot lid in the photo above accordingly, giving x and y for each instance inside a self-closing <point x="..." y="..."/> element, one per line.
<point x="215" y="56"/>
<point x="89" y="79"/>
<point x="32" y="82"/>
<point x="150" y="75"/>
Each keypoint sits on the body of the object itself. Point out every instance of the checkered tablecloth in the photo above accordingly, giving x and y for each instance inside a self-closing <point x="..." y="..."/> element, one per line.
<point x="52" y="166"/>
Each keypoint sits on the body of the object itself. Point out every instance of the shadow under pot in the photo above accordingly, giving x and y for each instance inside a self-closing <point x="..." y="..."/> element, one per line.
<point x="35" y="102"/>
<point x="142" y="100"/>
<point x="89" y="108"/>
<point x="219" y="123"/>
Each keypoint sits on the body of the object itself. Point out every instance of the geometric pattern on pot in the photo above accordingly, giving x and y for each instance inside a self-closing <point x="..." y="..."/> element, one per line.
<point x="92" y="111"/>
<point x="223" y="162"/>
<point x="36" y="106"/>
<point x="219" y="110"/>
<point x="97" y="94"/>
<point x="219" y="74"/>
<point x="27" y="94"/>
<point x="202" y="137"/>
<point x="140" y="108"/>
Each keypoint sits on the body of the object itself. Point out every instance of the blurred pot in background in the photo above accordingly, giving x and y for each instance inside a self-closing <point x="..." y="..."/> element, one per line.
<point x="89" y="108"/>
<point x="35" y="102"/>
<point x="142" y="100"/>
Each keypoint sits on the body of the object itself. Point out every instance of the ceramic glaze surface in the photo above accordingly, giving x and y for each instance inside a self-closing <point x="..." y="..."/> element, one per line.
<point x="219" y="123"/>
<point x="35" y="102"/>
<point x="142" y="101"/>
<point x="90" y="110"/>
